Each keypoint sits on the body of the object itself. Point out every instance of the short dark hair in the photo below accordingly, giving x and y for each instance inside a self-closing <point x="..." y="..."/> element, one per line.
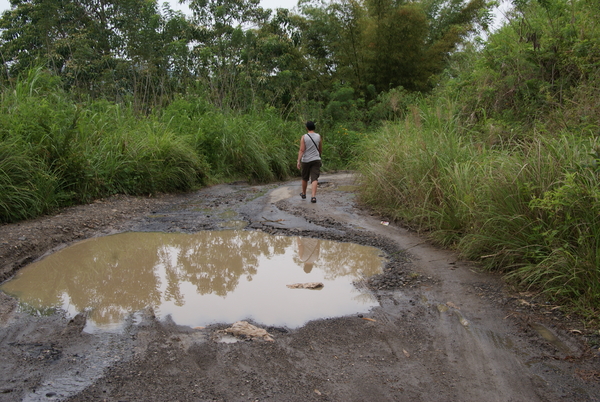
<point x="310" y="125"/>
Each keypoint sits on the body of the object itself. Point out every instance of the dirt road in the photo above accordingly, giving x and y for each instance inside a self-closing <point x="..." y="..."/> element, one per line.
<point x="443" y="330"/>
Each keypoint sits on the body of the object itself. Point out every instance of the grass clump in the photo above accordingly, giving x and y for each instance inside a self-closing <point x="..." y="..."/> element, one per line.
<point x="529" y="208"/>
<point x="258" y="147"/>
<point x="28" y="190"/>
<point x="56" y="152"/>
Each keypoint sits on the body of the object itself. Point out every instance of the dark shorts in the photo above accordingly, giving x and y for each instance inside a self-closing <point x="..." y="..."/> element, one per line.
<point x="311" y="170"/>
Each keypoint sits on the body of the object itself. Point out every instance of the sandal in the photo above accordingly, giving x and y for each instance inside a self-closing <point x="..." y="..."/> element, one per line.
<point x="303" y="196"/>
<point x="313" y="200"/>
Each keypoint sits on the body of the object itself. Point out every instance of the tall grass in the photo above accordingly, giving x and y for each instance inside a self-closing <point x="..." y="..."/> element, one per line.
<point x="406" y="169"/>
<point x="259" y="147"/>
<point x="56" y="152"/>
<point x="530" y="209"/>
<point x="27" y="189"/>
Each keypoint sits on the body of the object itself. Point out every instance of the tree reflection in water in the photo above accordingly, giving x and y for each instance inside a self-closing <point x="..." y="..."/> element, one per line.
<point x="114" y="276"/>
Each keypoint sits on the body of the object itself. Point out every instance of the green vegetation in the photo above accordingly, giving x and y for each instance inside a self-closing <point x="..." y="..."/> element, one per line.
<point x="131" y="97"/>
<point x="531" y="209"/>
<point x="56" y="152"/>
<point x="502" y="161"/>
<point x="489" y="146"/>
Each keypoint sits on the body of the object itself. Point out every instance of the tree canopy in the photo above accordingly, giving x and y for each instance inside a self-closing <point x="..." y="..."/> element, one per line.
<point x="235" y="52"/>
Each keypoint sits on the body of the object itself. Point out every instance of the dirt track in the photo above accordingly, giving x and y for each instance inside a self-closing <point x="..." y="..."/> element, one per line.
<point x="443" y="331"/>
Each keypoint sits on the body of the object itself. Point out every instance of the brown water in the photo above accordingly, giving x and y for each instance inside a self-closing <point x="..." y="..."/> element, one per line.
<point x="199" y="279"/>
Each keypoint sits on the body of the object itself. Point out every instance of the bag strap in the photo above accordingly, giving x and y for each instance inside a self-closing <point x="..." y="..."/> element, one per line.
<point x="313" y="141"/>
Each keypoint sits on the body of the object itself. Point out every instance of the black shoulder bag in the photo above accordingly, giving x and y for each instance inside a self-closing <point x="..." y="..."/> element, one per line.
<point x="316" y="146"/>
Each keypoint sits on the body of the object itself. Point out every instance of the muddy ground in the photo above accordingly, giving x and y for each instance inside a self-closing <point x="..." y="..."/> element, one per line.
<point x="443" y="330"/>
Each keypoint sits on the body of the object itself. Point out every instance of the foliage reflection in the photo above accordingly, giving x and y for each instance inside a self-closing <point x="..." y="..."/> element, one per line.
<point x="113" y="276"/>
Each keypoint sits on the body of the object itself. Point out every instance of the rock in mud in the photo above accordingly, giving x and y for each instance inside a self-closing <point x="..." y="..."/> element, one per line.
<point x="245" y="329"/>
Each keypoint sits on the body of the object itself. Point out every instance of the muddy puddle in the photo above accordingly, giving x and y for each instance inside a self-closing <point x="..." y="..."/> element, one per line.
<point x="199" y="279"/>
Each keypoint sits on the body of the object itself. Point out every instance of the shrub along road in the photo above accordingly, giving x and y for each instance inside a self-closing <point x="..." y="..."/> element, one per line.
<point x="443" y="330"/>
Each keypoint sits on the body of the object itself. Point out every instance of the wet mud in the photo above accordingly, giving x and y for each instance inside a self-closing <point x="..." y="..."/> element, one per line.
<point x="440" y="328"/>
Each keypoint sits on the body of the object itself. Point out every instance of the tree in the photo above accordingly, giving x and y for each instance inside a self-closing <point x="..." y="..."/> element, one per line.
<point x="409" y="42"/>
<point x="115" y="49"/>
<point x="276" y="61"/>
<point x="395" y="43"/>
<point x="389" y="43"/>
<point x="221" y="38"/>
<point x="54" y="33"/>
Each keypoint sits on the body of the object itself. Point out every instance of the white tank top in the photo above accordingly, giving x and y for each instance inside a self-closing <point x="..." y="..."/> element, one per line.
<point x="311" y="152"/>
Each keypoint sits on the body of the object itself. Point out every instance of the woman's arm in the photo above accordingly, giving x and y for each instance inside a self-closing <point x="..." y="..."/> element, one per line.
<point x="301" y="152"/>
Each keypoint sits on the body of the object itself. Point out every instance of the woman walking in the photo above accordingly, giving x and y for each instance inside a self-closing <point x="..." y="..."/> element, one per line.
<point x="309" y="160"/>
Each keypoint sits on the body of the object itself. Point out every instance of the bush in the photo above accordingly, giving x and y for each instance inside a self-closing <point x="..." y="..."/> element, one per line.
<point x="258" y="147"/>
<point x="27" y="188"/>
<point x="529" y="209"/>
<point x="63" y="153"/>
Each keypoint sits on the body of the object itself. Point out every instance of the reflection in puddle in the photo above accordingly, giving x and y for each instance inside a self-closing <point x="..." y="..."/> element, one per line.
<point x="308" y="252"/>
<point x="199" y="279"/>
